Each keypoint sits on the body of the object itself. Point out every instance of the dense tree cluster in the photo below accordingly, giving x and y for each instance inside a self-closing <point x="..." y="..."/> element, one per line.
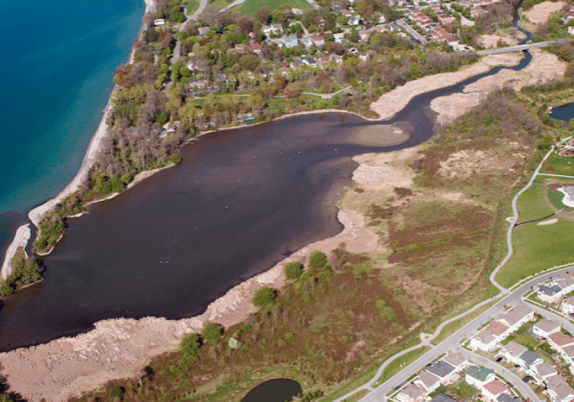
<point x="24" y="272"/>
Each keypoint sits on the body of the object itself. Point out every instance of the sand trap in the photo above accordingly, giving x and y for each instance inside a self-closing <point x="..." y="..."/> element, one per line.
<point x="540" y="12"/>
<point x="548" y="222"/>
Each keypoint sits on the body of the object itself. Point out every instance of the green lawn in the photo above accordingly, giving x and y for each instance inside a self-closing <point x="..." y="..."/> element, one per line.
<point x="250" y="6"/>
<point x="464" y="390"/>
<point x="400" y="363"/>
<point x="558" y="165"/>
<point x="536" y="247"/>
<point x="191" y="6"/>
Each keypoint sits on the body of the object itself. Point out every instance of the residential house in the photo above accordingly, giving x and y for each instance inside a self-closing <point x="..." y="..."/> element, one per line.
<point x="528" y="360"/>
<point x="324" y="60"/>
<point x="159" y="21"/>
<point x="339" y="37"/>
<point x="442" y="370"/>
<point x="310" y="61"/>
<point x="336" y="58"/>
<point x="504" y="397"/>
<point x="567" y="354"/>
<point x="478" y="377"/>
<point x="559" y="340"/>
<point x="484" y="341"/>
<point x="296" y="63"/>
<point x="494" y="389"/>
<point x="307" y="42"/>
<point x="412" y="393"/>
<point x="355" y="20"/>
<point x="498" y="329"/>
<point x="290" y="41"/>
<point x="518" y="316"/>
<point x="566" y="282"/>
<point x="512" y="351"/>
<point x="364" y="35"/>
<point x="457" y="360"/>
<point x="428" y="381"/>
<point x="362" y="55"/>
<point x="550" y="293"/>
<point x="318" y="40"/>
<point x="275" y="29"/>
<point x="201" y="31"/>
<point x="255" y="48"/>
<point x="382" y="19"/>
<point x="559" y="390"/>
<point x="543" y="372"/>
<point x="568" y="303"/>
<point x="544" y="328"/>
<point x="346" y="13"/>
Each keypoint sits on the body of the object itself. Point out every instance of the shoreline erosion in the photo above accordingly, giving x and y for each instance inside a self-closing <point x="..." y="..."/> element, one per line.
<point x="68" y="366"/>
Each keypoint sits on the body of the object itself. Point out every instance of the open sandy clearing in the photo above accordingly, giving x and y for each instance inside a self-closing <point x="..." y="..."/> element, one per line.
<point x="540" y="12"/>
<point x="548" y="222"/>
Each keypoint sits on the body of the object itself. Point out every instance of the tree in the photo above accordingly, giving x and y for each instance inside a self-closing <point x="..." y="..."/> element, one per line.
<point x="265" y="296"/>
<point x="387" y="313"/>
<point x="262" y="15"/>
<point x="211" y="331"/>
<point x="293" y="270"/>
<point x="317" y="260"/>
<point x="190" y="344"/>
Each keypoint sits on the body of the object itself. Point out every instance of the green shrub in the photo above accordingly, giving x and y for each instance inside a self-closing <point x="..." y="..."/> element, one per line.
<point x="190" y="344"/>
<point x="175" y="158"/>
<point x="264" y="297"/>
<point x="293" y="270"/>
<point x="317" y="260"/>
<point x="211" y="331"/>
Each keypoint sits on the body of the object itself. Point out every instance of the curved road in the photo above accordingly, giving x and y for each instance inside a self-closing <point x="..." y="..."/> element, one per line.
<point x="508" y="298"/>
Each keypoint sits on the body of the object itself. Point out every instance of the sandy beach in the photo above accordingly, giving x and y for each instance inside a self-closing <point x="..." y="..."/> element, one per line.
<point x="20" y="241"/>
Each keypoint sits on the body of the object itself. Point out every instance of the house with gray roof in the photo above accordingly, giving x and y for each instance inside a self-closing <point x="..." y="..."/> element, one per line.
<point x="550" y="293"/>
<point x="559" y="390"/>
<point x="567" y="354"/>
<point x="528" y="360"/>
<point x="478" y="376"/>
<point x="544" y="328"/>
<point x="505" y="397"/>
<point x="511" y="351"/>
<point x="290" y="41"/>
<point x="442" y="370"/>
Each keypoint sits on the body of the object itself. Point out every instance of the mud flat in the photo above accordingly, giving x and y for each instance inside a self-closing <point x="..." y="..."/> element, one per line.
<point x="544" y="67"/>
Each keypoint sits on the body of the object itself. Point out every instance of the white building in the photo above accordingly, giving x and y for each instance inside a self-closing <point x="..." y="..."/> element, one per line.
<point x="544" y="328"/>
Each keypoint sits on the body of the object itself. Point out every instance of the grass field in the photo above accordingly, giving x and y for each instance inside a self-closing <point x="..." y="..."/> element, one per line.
<point x="558" y="165"/>
<point x="400" y="363"/>
<point x="536" y="247"/>
<point x="250" y="6"/>
<point x="191" y="6"/>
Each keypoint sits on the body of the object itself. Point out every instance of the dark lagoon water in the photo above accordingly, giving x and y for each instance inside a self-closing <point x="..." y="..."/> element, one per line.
<point x="277" y="390"/>
<point x="240" y="201"/>
<point x="55" y="79"/>
<point x="564" y="112"/>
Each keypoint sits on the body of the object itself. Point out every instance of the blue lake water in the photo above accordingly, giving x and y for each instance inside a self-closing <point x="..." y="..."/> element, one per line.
<point x="564" y="112"/>
<point x="55" y="78"/>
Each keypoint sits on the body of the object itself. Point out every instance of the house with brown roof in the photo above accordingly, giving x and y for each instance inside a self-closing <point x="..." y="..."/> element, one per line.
<point x="484" y="341"/>
<point x="457" y="360"/>
<point x="544" y="328"/>
<point x="543" y="372"/>
<point x="493" y="389"/>
<point x="428" y="381"/>
<point x="519" y="315"/>
<point x="559" y="340"/>
<point x="497" y="329"/>
<point x="412" y="393"/>
<point x="318" y="40"/>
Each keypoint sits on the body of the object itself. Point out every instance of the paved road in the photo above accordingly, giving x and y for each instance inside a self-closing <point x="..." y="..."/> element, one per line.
<point x="508" y="375"/>
<point x="514" y="48"/>
<point x="514" y="298"/>
<point x="400" y="22"/>
<point x="313" y="4"/>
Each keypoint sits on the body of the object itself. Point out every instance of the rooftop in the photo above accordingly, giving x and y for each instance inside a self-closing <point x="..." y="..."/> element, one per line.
<point x="517" y="314"/>
<point x="442" y="398"/>
<point x="455" y="359"/>
<point x="441" y="369"/>
<point x="496" y="387"/>
<point x="480" y="373"/>
<point x="547" y="325"/>
<point x="514" y="349"/>
<point x="529" y="357"/>
<point x="561" y="339"/>
<point x="496" y="328"/>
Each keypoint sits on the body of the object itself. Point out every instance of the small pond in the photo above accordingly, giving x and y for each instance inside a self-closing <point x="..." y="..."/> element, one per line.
<point x="564" y="112"/>
<point x="277" y="390"/>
